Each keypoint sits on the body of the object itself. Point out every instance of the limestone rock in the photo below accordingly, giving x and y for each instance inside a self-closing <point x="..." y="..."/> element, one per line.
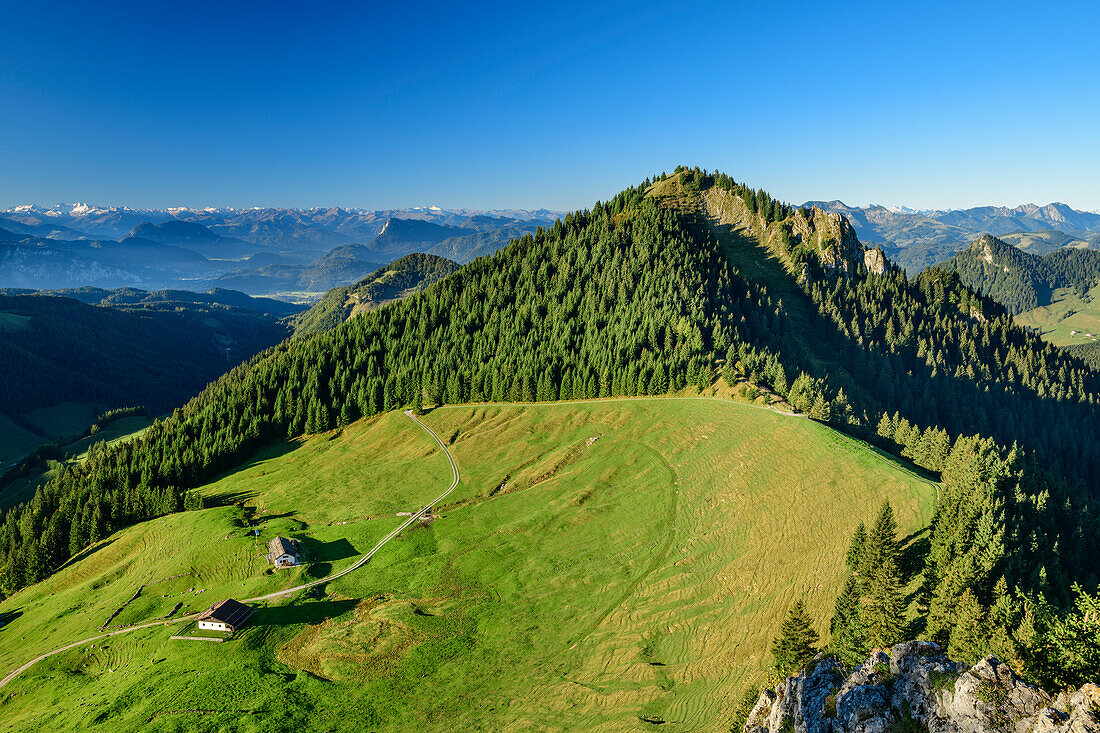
<point x="914" y="686"/>
<point x="838" y="247"/>
<point x="991" y="693"/>
<point x="875" y="261"/>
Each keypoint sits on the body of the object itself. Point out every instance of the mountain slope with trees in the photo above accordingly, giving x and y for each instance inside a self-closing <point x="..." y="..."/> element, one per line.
<point x="666" y="286"/>
<point x="156" y="353"/>
<point x="1019" y="280"/>
<point x="392" y="282"/>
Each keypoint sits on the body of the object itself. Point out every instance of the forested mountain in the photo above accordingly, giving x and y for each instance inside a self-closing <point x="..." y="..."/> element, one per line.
<point x="669" y="285"/>
<point x="482" y="236"/>
<point x="920" y="239"/>
<point x="193" y="236"/>
<point x="392" y="282"/>
<point x="400" y="236"/>
<point x="340" y="266"/>
<point x="1088" y="353"/>
<point x="148" y="350"/>
<point x="1019" y="280"/>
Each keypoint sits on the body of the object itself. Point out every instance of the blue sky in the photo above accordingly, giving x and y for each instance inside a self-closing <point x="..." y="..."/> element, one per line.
<point x="488" y="105"/>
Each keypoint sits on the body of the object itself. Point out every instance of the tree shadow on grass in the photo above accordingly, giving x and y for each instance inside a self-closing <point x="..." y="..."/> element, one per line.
<point x="8" y="616"/>
<point x="266" y="453"/>
<point x="318" y="570"/>
<point x="86" y="552"/>
<point x="309" y="612"/>
<point x="914" y="549"/>
<point x="261" y="518"/>
<point x="226" y="498"/>
<point x="327" y="552"/>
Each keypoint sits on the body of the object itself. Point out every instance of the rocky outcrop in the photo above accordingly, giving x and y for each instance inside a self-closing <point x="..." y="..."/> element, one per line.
<point x="983" y="246"/>
<point x="875" y="261"/>
<point x="912" y="687"/>
<point x="829" y="236"/>
<point x="838" y="247"/>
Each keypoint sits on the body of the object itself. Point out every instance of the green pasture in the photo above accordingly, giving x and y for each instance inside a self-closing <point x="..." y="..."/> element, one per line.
<point x="602" y="566"/>
<point x="1069" y="311"/>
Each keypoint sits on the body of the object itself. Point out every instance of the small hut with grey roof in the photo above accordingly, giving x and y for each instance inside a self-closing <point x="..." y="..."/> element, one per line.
<point x="282" y="552"/>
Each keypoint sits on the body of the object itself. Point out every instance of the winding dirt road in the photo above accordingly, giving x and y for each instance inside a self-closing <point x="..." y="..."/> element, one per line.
<point x="358" y="564"/>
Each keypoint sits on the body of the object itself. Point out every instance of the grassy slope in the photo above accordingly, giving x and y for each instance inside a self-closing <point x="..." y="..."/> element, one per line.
<point x="15" y="442"/>
<point x="22" y="489"/>
<point x="62" y="420"/>
<point x="1067" y="312"/>
<point x="571" y="584"/>
<point x="1042" y="242"/>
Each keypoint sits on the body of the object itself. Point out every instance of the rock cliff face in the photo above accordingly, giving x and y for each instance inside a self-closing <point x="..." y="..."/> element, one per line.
<point x="828" y="236"/>
<point x="875" y="261"/>
<point x="836" y="242"/>
<point x="914" y="687"/>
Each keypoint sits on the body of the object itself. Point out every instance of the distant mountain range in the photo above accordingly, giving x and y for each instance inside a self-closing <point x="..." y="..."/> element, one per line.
<point x="919" y="239"/>
<point x="258" y="251"/>
<point x="321" y="227"/>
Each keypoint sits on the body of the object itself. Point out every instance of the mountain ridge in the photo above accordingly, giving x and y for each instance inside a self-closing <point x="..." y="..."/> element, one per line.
<point x="919" y="239"/>
<point x="1020" y="280"/>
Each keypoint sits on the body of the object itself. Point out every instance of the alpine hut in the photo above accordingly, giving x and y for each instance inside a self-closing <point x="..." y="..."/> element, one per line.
<point x="228" y="615"/>
<point x="282" y="552"/>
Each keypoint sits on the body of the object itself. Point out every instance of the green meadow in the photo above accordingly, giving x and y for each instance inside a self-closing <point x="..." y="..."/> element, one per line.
<point x="23" y="488"/>
<point x="1069" y="319"/>
<point x="610" y="565"/>
<point x="44" y="425"/>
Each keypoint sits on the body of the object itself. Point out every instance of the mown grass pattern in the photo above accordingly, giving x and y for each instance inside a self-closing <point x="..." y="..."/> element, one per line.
<point x="653" y="598"/>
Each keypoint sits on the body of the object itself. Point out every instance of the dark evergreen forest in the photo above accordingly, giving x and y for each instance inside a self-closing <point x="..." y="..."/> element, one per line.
<point x="57" y="349"/>
<point x="1019" y="280"/>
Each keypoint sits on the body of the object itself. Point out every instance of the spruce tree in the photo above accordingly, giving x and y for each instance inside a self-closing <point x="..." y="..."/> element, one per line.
<point x="857" y="548"/>
<point x="969" y="638"/>
<point x="885" y="606"/>
<point x="882" y="543"/>
<point x="885" y="427"/>
<point x="821" y="410"/>
<point x="796" y="644"/>
<point x="848" y="629"/>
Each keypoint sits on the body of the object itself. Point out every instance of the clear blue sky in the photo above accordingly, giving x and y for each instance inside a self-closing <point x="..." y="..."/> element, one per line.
<point x="558" y="104"/>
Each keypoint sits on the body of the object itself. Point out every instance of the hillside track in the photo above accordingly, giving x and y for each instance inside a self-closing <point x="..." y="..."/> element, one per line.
<point x="426" y="509"/>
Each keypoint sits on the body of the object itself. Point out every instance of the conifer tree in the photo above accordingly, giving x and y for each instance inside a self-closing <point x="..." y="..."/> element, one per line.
<point x="882" y="542"/>
<point x="848" y="629"/>
<point x="857" y="548"/>
<point x="885" y="605"/>
<point x="820" y="410"/>
<point x="796" y="644"/>
<point x="969" y="637"/>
